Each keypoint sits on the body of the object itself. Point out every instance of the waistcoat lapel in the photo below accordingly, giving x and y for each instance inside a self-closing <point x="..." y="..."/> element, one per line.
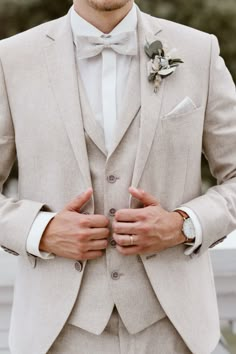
<point x="63" y="81"/>
<point x="91" y="126"/>
<point x="150" y="102"/>
<point x="131" y="104"/>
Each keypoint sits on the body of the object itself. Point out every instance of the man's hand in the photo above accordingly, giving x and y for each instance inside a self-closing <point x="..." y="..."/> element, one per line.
<point x="74" y="235"/>
<point x="152" y="229"/>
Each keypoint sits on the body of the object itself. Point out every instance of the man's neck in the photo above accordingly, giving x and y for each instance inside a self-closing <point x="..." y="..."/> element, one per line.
<point x="105" y="21"/>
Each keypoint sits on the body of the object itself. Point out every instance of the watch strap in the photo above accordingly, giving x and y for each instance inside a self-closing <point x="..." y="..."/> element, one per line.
<point x="185" y="216"/>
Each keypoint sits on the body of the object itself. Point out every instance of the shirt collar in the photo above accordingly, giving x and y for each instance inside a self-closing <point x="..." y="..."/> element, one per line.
<point x="83" y="28"/>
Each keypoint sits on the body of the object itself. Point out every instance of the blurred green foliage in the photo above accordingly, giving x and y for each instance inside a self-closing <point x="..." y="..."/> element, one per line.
<point x="213" y="16"/>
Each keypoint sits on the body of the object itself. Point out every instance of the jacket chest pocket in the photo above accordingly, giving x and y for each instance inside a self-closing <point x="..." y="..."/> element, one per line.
<point x="179" y="132"/>
<point x="175" y="142"/>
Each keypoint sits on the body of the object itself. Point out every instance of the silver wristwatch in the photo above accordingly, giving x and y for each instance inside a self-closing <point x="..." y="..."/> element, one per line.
<point x="188" y="228"/>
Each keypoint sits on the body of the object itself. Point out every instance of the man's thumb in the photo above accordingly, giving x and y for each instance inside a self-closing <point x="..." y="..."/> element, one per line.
<point x="77" y="203"/>
<point x="146" y="198"/>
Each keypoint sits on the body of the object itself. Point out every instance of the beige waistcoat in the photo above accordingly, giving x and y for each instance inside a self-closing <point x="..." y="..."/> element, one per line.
<point x="114" y="280"/>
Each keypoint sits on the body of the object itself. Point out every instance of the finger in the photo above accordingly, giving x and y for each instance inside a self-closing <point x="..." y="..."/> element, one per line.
<point x="146" y="198"/>
<point x="97" y="245"/>
<point x="127" y="228"/>
<point x="92" y="255"/>
<point x="97" y="221"/>
<point x="129" y="215"/>
<point x="99" y="234"/>
<point x="126" y="240"/>
<point x="81" y="256"/>
<point x="77" y="203"/>
<point x="128" y="251"/>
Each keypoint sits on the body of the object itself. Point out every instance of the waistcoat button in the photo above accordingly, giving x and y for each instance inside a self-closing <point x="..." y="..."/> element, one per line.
<point x="113" y="243"/>
<point x="79" y="266"/>
<point x="111" y="179"/>
<point x="112" y="211"/>
<point x="115" y="275"/>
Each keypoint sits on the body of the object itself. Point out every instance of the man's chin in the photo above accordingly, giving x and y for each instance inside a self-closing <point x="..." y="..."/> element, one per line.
<point x="108" y="5"/>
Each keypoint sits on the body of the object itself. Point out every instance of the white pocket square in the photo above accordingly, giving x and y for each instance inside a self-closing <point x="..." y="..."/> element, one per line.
<point x="185" y="106"/>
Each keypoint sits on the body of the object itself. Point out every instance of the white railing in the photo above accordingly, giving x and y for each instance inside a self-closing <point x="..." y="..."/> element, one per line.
<point x="224" y="264"/>
<point x="7" y="276"/>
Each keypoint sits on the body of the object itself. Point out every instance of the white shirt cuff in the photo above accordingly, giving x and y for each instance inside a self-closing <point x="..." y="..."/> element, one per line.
<point x="36" y="233"/>
<point x="198" y="237"/>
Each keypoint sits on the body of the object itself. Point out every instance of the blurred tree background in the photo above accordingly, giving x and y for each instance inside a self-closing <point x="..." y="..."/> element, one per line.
<point x="213" y="16"/>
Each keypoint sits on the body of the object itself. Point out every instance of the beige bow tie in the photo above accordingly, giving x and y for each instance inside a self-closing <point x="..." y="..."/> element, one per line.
<point x="90" y="46"/>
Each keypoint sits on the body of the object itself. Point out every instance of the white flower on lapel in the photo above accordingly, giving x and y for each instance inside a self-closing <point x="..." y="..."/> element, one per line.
<point x="161" y="64"/>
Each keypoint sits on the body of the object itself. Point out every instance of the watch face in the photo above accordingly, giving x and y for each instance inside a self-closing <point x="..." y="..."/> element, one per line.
<point x="188" y="229"/>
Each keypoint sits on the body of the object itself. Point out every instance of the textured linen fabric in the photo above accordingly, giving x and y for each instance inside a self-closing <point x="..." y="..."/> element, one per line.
<point x="160" y="338"/>
<point x="91" y="74"/>
<point x="99" y="292"/>
<point x="54" y="167"/>
<point x="99" y="95"/>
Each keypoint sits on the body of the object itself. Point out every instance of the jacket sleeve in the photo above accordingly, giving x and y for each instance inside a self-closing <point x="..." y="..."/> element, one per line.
<point x="16" y="216"/>
<point x="216" y="210"/>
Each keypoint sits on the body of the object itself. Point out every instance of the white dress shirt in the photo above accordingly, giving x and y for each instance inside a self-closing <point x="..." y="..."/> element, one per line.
<point x="104" y="79"/>
<point x="97" y="70"/>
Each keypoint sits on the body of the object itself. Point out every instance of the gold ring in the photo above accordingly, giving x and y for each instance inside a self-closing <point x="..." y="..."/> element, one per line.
<point x="131" y="240"/>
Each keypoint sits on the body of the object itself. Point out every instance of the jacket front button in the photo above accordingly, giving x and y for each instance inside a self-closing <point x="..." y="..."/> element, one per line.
<point x="79" y="266"/>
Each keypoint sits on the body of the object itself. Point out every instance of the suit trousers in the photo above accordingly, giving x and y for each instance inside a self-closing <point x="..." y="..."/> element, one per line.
<point x="160" y="338"/>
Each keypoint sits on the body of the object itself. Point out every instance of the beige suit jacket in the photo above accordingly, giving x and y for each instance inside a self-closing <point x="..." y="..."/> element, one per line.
<point x="40" y="121"/>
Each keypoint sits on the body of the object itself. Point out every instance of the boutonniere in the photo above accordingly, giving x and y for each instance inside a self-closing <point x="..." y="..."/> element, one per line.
<point x="161" y="64"/>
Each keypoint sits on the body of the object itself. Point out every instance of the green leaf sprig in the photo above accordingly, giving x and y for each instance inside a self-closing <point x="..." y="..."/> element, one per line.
<point x="160" y="65"/>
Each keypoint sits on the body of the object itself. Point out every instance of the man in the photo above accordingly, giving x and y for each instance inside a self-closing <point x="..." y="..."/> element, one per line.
<point x="111" y="229"/>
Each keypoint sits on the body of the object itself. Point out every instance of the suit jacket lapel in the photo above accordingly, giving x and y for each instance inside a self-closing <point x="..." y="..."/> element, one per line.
<point x="150" y="102"/>
<point x="63" y="80"/>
